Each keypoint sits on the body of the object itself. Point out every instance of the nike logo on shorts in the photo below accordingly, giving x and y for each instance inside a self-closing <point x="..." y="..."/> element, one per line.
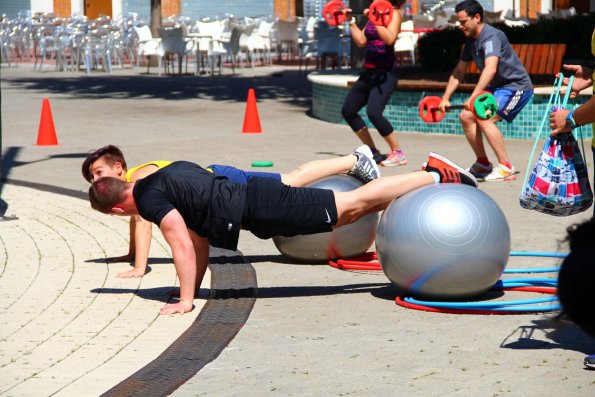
<point x="328" y="217"/>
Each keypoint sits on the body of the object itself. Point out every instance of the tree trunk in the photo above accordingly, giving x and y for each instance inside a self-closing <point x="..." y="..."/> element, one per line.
<point x="357" y="53"/>
<point x="155" y="17"/>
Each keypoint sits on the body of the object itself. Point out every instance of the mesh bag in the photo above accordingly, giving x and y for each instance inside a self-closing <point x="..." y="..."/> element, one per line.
<point x="559" y="183"/>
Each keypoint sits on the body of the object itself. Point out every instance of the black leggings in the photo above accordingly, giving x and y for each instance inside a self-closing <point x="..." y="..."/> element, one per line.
<point x="372" y="89"/>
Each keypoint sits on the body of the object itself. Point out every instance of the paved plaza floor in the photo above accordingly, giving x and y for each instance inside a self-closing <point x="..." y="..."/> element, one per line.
<point x="69" y="327"/>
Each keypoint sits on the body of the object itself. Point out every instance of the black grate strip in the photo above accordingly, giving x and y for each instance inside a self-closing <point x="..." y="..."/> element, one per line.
<point x="233" y="293"/>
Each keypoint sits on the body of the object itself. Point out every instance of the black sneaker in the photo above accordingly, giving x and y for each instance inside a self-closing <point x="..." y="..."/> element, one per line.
<point x="590" y="361"/>
<point x="449" y="172"/>
<point x="377" y="156"/>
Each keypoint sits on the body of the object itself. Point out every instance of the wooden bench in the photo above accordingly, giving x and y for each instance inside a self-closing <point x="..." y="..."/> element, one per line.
<point x="542" y="61"/>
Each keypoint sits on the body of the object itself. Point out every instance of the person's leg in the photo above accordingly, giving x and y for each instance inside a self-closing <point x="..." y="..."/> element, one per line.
<point x="472" y="133"/>
<point x="356" y="99"/>
<point x="376" y="195"/>
<point x="240" y="176"/>
<point x="316" y="169"/>
<point x="383" y="86"/>
<point x="494" y="137"/>
<point x="510" y="103"/>
<point x="364" y="136"/>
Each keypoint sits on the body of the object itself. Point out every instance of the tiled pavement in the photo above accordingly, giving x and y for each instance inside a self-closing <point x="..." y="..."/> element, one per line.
<point x="69" y="327"/>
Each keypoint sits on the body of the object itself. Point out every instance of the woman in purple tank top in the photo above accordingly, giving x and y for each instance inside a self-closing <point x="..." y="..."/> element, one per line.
<point x="375" y="85"/>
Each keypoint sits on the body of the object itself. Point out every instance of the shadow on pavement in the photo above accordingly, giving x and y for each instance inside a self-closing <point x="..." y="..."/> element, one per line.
<point x="305" y="291"/>
<point x="286" y="86"/>
<point x="549" y="334"/>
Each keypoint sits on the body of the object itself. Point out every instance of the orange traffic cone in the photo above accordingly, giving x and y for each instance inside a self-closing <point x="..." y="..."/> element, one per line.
<point x="251" y="120"/>
<point x="46" y="136"/>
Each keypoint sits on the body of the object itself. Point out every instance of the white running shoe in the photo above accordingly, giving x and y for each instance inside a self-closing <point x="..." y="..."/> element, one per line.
<point x="365" y="168"/>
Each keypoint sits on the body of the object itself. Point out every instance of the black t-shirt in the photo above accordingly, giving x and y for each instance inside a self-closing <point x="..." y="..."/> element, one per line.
<point x="211" y="205"/>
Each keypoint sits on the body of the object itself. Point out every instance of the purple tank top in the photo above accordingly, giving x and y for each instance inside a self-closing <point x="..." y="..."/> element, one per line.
<point x="379" y="55"/>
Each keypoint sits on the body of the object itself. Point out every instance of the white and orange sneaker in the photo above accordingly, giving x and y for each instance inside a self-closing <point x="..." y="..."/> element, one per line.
<point x="501" y="173"/>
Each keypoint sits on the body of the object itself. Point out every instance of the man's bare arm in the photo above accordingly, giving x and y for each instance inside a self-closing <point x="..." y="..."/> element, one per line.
<point x="177" y="236"/>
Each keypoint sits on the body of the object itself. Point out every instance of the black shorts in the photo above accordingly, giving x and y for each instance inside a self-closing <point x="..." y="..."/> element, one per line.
<point x="275" y="209"/>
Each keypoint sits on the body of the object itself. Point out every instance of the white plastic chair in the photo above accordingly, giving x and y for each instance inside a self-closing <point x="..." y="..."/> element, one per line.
<point x="407" y="40"/>
<point x="247" y="44"/>
<point x="261" y="40"/>
<point x="308" y="50"/>
<point x="147" y="45"/>
<point x="47" y="45"/>
<point x="212" y="44"/>
<point x="287" y="36"/>
<point x="233" y="46"/>
<point x="173" y="43"/>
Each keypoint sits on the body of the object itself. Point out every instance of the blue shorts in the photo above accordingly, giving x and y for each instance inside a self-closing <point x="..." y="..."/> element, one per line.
<point x="510" y="102"/>
<point x="239" y="176"/>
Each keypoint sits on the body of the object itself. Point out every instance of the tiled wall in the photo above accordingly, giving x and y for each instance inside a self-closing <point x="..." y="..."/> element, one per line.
<point x="402" y="112"/>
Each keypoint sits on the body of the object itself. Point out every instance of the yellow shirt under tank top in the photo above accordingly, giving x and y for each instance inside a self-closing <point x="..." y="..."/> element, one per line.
<point x="158" y="163"/>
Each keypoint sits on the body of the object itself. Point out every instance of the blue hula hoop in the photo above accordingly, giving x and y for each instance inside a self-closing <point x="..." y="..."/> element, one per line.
<point x="537" y="305"/>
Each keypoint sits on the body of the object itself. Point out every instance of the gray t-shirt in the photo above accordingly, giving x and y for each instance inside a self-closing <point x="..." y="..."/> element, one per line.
<point x="511" y="73"/>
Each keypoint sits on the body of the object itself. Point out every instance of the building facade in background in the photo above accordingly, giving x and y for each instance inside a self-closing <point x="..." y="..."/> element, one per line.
<point x="283" y="9"/>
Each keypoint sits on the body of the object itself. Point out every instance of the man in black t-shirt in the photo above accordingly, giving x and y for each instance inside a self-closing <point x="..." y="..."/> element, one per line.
<point x="195" y="208"/>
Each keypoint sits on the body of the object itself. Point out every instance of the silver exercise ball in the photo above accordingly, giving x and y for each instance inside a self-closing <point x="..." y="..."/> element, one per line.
<point x="343" y="242"/>
<point x="443" y="241"/>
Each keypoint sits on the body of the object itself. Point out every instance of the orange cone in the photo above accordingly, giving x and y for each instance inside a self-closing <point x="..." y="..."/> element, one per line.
<point x="251" y="120"/>
<point x="46" y="136"/>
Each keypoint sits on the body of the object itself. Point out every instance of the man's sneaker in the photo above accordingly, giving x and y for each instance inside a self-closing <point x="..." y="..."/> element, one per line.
<point x="394" y="158"/>
<point x="590" y="361"/>
<point x="449" y="172"/>
<point x="480" y="170"/>
<point x="501" y="173"/>
<point x="365" y="168"/>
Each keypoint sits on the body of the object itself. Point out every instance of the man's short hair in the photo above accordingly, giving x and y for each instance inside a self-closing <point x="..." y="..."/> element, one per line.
<point x="471" y="7"/>
<point x="577" y="277"/>
<point x="105" y="193"/>
<point x="111" y="154"/>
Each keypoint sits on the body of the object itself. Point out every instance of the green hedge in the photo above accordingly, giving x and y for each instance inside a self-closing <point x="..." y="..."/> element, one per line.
<point x="440" y="50"/>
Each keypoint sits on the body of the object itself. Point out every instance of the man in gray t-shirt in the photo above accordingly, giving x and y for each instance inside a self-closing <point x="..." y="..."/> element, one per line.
<point x="503" y="74"/>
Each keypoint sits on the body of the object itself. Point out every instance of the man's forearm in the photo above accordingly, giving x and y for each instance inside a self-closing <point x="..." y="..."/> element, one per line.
<point x="186" y="269"/>
<point x="484" y="81"/>
<point x="451" y="87"/>
<point x="585" y="114"/>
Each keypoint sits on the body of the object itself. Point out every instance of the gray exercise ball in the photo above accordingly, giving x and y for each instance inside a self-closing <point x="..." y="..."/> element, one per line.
<point x="343" y="242"/>
<point x="443" y="241"/>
